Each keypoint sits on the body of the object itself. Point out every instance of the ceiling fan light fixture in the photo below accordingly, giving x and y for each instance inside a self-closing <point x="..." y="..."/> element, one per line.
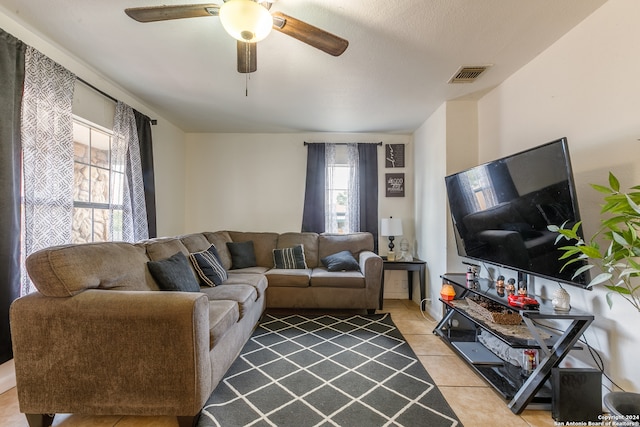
<point x="246" y="20"/>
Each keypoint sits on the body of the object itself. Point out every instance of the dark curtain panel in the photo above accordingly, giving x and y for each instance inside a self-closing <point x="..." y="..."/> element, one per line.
<point x="11" y="83"/>
<point x="313" y="214"/>
<point x="368" y="175"/>
<point x="143" y="125"/>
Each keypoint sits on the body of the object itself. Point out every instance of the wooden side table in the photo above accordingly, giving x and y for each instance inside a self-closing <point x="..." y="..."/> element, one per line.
<point x="408" y="266"/>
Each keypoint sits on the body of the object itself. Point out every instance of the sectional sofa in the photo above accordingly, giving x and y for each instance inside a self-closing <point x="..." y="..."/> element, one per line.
<point x="106" y="333"/>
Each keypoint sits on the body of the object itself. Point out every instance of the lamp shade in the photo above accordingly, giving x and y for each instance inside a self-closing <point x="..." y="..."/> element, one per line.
<point x="391" y="227"/>
<point x="246" y="20"/>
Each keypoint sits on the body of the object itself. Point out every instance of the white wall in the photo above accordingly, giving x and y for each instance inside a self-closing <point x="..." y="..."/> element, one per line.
<point x="445" y="143"/>
<point x="584" y="87"/>
<point x="256" y="182"/>
<point x="168" y="148"/>
<point x="430" y="154"/>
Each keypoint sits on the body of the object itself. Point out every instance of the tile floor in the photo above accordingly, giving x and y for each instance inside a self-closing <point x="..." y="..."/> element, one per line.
<point x="475" y="403"/>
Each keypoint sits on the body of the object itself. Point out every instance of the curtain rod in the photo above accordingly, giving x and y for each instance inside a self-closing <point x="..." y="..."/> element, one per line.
<point x="341" y="143"/>
<point x="106" y="95"/>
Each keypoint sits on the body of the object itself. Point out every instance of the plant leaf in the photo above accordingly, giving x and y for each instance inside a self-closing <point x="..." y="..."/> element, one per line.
<point x="614" y="183"/>
<point x="618" y="289"/>
<point x="619" y="239"/>
<point x="601" y="188"/>
<point x="609" y="301"/>
<point x="600" y="278"/>
<point x="633" y="205"/>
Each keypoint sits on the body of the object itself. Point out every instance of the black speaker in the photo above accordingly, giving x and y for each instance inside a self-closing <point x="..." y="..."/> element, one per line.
<point x="576" y="394"/>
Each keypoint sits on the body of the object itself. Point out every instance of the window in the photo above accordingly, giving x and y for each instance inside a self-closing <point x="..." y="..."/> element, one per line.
<point x="97" y="201"/>
<point x="482" y="188"/>
<point x="338" y="196"/>
<point x="340" y="190"/>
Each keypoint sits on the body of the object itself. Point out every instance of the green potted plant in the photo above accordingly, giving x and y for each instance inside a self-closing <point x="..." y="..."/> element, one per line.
<point x="618" y="260"/>
<point x="619" y="256"/>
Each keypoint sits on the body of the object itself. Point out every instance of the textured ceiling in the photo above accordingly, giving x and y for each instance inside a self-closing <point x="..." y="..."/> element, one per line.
<point x="392" y="76"/>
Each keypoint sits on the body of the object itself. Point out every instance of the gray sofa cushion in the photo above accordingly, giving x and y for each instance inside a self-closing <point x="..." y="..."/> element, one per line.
<point x="263" y="243"/>
<point x="243" y="254"/>
<point x="208" y="267"/>
<point x="222" y="316"/>
<point x="341" y="261"/>
<point x="244" y="295"/>
<point x="298" y="278"/>
<point x="289" y="258"/>
<point x="355" y="243"/>
<point x="174" y="274"/>
<point x="258" y="281"/>
<point x="63" y="271"/>
<point x="321" y="278"/>
<point x="309" y="242"/>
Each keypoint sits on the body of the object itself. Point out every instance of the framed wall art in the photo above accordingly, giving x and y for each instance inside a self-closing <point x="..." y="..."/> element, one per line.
<point x="394" y="184"/>
<point x="394" y="155"/>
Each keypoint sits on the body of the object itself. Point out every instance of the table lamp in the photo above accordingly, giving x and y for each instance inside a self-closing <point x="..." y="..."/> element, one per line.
<point x="391" y="227"/>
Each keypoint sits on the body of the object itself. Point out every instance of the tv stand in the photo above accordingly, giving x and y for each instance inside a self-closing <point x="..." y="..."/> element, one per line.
<point x="460" y="327"/>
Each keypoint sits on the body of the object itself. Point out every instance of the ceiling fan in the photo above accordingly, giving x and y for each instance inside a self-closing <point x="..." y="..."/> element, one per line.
<point x="248" y="21"/>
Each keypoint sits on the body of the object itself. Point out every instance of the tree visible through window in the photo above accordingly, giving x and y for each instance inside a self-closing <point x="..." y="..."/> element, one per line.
<point x="97" y="187"/>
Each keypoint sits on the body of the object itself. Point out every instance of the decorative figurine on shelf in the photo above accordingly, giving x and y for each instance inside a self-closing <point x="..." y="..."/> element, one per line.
<point x="522" y="288"/>
<point x="523" y="302"/>
<point x="561" y="300"/>
<point x="447" y="293"/>
<point x="405" y="251"/>
<point x="511" y="286"/>
<point x="500" y="286"/>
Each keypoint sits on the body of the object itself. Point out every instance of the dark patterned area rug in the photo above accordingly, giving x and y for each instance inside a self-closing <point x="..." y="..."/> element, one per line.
<point x="327" y="371"/>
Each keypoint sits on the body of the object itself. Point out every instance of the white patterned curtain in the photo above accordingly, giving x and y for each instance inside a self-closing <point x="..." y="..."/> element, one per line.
<point x="353" y="202"/>
<point x="127" y="183"/>
<point x="331" y="208"/>
<point x="47" y="150"/>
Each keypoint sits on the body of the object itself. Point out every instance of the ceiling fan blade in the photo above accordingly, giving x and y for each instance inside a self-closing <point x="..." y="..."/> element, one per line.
<point x="164" y="13"/>
<point x="247" y="57"/>
<point x="307" y="33"/>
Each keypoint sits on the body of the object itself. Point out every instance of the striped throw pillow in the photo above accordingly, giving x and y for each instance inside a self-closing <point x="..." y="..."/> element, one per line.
<point x="289" y="258"/>
<point x="208" y="267"/>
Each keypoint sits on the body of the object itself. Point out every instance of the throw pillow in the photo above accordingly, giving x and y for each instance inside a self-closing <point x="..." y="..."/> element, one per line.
<point x="341" y="261"/>
<point x="174" y="274"/>
<point x="289" y="258"/>
<point x="208" y="266"/>
<point x="242" y="254"/>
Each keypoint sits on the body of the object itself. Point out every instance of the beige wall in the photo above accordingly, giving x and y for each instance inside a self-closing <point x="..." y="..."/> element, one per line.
<point x="581" y="88"/>
<point x="447" y="142"/>
<point x="256" y="182"/>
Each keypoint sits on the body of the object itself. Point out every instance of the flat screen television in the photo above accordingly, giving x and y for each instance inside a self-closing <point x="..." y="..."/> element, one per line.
<point x="501" y="209"/>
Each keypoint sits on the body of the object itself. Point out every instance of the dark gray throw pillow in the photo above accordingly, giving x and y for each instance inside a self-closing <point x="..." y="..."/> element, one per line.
<point x="289" y="258"/>
<point x="341" y="261"/>
<point x="242" y="254"/>
<point x="174" y="274"/>
<point x="208" y="266"/>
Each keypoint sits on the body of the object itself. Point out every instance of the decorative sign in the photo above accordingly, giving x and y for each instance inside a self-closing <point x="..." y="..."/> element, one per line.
<point x="394" y="183"/>
<point x="394" y="155"/>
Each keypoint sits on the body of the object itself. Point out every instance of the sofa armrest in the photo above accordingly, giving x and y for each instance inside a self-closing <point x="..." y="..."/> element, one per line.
<point x="112" y="352"/>
<point x="371" y="267"/>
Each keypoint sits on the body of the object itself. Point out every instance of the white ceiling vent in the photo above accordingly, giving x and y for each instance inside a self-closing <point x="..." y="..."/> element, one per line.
<point x="468" y="74"/>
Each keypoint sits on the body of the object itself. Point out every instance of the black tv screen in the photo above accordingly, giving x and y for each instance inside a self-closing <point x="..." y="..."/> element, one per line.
<point x="501" y="210"/>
